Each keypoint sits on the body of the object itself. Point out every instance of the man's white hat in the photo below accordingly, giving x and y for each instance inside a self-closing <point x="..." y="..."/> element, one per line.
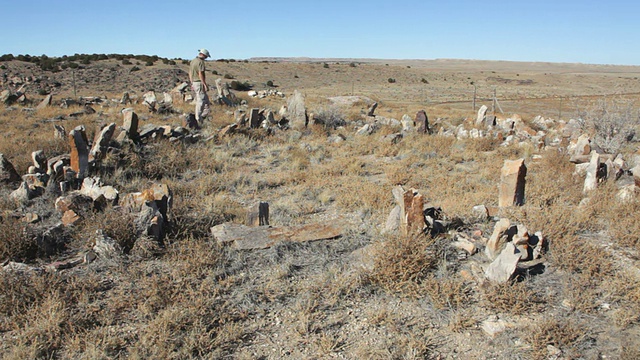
<point x="205" y="52"/>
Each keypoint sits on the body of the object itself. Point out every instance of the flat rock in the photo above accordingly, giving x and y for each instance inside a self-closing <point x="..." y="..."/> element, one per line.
<point x="248" y="238"/>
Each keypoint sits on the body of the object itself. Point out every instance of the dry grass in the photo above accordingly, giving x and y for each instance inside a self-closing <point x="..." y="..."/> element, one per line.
<point x="198" y="299"/>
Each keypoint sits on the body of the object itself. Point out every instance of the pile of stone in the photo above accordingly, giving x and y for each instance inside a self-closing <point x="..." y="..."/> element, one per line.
<point x="265" y="93"/>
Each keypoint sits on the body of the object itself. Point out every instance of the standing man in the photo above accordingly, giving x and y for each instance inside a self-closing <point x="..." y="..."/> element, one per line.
<point x="199" y="85"/>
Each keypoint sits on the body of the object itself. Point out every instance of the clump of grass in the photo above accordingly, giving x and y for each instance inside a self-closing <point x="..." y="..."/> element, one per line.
<point x="563" y="334"/>
<point x="403" y="263"/>
<point x="514" y="298"/>
<point x="15" y="242"/>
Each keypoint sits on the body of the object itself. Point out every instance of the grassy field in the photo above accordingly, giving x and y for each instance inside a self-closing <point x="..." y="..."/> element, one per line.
<point x="368" y="294"/>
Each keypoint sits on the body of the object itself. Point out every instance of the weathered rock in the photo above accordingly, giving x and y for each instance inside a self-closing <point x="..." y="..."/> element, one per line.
<point x="189" y="121"/>
<point x="465" y="244"/>
<point x="228" y="130"/>
<point x="501" y="233"/>
<point x="31" y="218"/>
<point x="22" y="194"/>
<point x="36" y="180"/>
<point x="59" y="132"/>
<point x="482" y="112"/>
<point x="581" y="146"/>
<point x="372" y="109"/>
<point x="8" y="173"/>
<point x="105" y="247"/>
<point x="393" y="220"/>
<point x="493" y="326"/>
<point x="70" y="218"/>
<point x="480" y="212"/>
<point x="39" y="161"/>
<point x="79" y="161"/>
<point x="74" y="201"/>
<point x="422" y="122"/>
<point x="150" y="100"/>
<point x="411" y="212"/>
<point x="56" y="164"/>
<point x="407" y="123"/>
<point x="505" y="265"/>
<point x="296" y="111"/>
<point x="254" y="118"/>
<point x="93" y="188"/>
<point x="262" y="237"/>
<point x="512" y="183"/>
<point x="367" y="129"/>
<point x="125" y="99"/>
<point x="45" y="103"/>
<point x="150" y="222"/>
<point x="593" y="173"/>
<point x="130" y="123"/>
<point x="101" y="142"/>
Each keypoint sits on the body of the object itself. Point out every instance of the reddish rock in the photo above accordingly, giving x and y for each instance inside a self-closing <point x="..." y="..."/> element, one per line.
<point x="512" y="183"/>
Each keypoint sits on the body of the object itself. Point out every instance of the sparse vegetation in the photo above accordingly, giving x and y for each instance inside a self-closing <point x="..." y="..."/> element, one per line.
<point x="366" y="294"/>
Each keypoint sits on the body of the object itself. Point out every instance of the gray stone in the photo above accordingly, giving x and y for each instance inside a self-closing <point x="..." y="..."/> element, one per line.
<point x="105" y="247"/>
<point x="8" y="173"/>
<point x="130" y="123"/>
<point x="422" y="122"/>
<point x="407" y="123"/>
<point x="101" y="142"/>
<point x="372" y="109"/>
<point x="45" y="103"/>
<point x="591" y="180"/>
<point x="482" y="112"/>
<point x="504" y="266"/>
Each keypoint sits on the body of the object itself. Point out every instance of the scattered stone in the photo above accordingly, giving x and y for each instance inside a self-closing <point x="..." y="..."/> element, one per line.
<point x="93" y="188"/>
<point x="74" y="201"/>
<point x="189" y="121"/>
<point x="512" y="183"/>
<point x="150" y="100"/>
<point x="22" y="194"/>
<point x="505" y="265"/>
<point x="367" y="129"/>
<point x="31" y="218"/>
<point x="296" y="111"/>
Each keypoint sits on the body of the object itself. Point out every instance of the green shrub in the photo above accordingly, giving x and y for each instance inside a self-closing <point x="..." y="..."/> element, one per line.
<point x="391" y="80"/>
<point x="229" y="76"/>
<point x="126" y="62"/>
<point x="270" y="83"/>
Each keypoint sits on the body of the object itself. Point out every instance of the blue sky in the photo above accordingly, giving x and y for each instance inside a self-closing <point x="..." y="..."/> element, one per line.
<point x="542" y="30"/>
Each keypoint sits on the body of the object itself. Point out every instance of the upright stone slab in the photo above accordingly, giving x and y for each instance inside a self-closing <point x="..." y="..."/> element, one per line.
<point x="45" y="103"/>
<point x="591" y="181"/>
<point x="482" y="112"/>
<point x="372" y="109"/>
<point x="79" y="151"/>
<point x="413" y="216"/>
<point x="101" y="142"/>
<point x="8" y="173"/>
<point x="422" y="121"/>
<point x="130" y="123"/>
<point x="297" y="111"/>
<point x="512" y="183"/>
<point x="254" y="118"/>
